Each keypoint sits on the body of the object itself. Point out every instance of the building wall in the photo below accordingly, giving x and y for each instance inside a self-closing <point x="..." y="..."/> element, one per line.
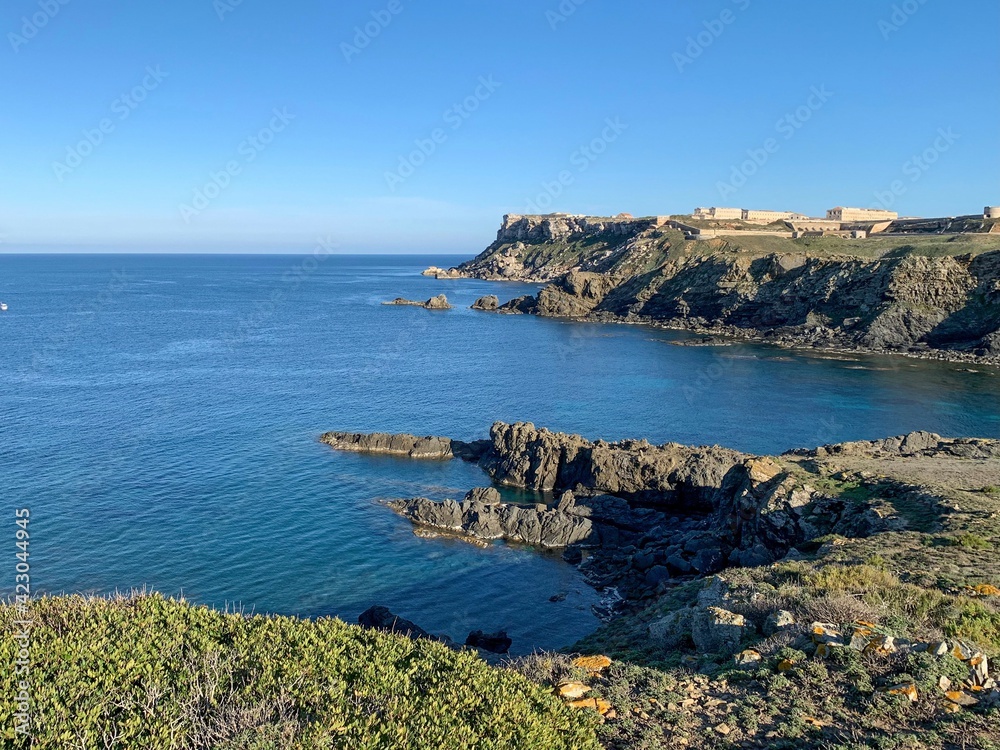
<point x="815" y="225"/>
<point x="766" y="217"/>
<point x="992" y="212"/>
<point x="860" y="214"/>
<point x="718" y="213"/>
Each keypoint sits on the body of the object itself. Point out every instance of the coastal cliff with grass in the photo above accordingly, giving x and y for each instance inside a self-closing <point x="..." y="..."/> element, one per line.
<point x="929" y="293"/>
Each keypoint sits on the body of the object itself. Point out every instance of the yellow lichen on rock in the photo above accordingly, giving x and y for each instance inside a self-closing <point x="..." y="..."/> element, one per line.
<point x="906" y="688"/>
<point x="984" y="589"/>
<point x="592" y="663"/>
<point x="597" y="704"/>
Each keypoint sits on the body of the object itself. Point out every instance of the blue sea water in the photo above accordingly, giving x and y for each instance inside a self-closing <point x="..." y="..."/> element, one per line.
<point x="159" y="416"/>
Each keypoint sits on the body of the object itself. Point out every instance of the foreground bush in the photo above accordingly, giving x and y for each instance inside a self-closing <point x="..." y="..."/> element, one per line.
<point x="151" y="672"/>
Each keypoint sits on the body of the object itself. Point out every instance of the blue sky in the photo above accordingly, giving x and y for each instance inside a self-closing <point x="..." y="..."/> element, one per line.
<point x="301" y="121"/>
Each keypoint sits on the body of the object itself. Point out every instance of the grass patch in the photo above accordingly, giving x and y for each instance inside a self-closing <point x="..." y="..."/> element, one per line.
<point x="147" y="671"/>
<point x="968" y="541"/>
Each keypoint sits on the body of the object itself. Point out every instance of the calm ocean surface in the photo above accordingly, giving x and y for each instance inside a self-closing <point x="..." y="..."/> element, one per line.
<point x="159" y="416"/>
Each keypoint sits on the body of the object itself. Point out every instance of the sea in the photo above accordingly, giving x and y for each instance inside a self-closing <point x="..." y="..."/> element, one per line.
<point x="159" y="417"/>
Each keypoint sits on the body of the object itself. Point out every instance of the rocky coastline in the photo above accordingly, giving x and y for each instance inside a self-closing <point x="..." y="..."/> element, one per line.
<point x="640" y="517"/>
<point x="807" y="596"/>
<point x="929" y="298"/>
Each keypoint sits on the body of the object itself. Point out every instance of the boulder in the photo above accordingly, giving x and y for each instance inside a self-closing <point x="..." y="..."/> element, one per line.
<point x="656" y="575"/>
<point x="484" y="495"/>
<point x="440" y="302"/>
<point x="489" y="303"/>
<point x="596" y="663"/>
<point x="567" y="501"/>
<point x="777" y="621"/>
<point x="709" y="560"/>
<point x="673" y="629"/>
<point x="643" y="561"/>
<point x="497" y="643"/>
<point x="748" y="658"/>
<point x="716" y="630"/>
<point x="380" y="618"/>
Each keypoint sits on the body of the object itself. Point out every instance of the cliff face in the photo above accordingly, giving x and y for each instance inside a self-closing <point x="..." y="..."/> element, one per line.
<point x="940" y="298"/>
<point x="522" y="455"/>
<point x="542" y="248"/>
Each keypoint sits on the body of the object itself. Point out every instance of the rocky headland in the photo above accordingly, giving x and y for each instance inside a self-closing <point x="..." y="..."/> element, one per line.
<point x="934" y="296"/>
<point x="798" y="600"/>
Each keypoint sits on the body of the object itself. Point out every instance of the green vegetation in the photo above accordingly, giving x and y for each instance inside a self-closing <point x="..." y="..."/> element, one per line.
<point x="969" y="541"/>
<point x="873" y="247"/>
<point x="151" y="672"/>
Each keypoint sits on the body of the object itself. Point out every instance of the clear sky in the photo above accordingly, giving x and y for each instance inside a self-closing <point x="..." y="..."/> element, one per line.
<point x="252" y="125"/>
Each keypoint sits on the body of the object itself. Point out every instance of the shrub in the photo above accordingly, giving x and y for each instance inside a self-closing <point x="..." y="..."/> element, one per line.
<point x="147" y="671"/>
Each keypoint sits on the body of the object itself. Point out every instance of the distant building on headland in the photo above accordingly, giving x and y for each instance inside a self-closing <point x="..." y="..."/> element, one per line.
<point x="768" y="217"/>
<point x="718" y="213"/>
<point x="860" y="214"/>
<point x="753" y="216"/>
<point x="991" y="212"/>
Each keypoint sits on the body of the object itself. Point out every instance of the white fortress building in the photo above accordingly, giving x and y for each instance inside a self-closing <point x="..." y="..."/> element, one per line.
<point x="750" y="215"/>
<point x="860" y="214"/>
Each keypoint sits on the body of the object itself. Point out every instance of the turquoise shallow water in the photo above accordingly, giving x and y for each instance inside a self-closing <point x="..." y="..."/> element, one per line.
<point x="159" y="416"/>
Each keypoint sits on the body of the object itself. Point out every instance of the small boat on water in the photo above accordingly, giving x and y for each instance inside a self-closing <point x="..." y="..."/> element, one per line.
<point x="3" y="307"/>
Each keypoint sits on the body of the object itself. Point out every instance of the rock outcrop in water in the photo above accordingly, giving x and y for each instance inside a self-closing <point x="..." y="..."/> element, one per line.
<point x="489" y="303"/>
<point x="931" y="296"/>
<point x="440" y="302"/>
<point x="411" y="446"/>
<point x="542" y="527"/>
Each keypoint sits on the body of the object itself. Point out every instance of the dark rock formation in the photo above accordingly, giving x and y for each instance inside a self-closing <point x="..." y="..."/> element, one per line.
<point x="497" y="643"/>
<point x="519" y="306"/>
<point x="489" y="303"/>
<point x="380" y="443"/>
<point x="515" y="523"/>
<point x="484" y="495"/>
<point x="764" y="510"/>
<point x="525" y="456"/>
<point x="440" y="302"/>
<point x="574" y="295"/>
<point x="380" y="618"/>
